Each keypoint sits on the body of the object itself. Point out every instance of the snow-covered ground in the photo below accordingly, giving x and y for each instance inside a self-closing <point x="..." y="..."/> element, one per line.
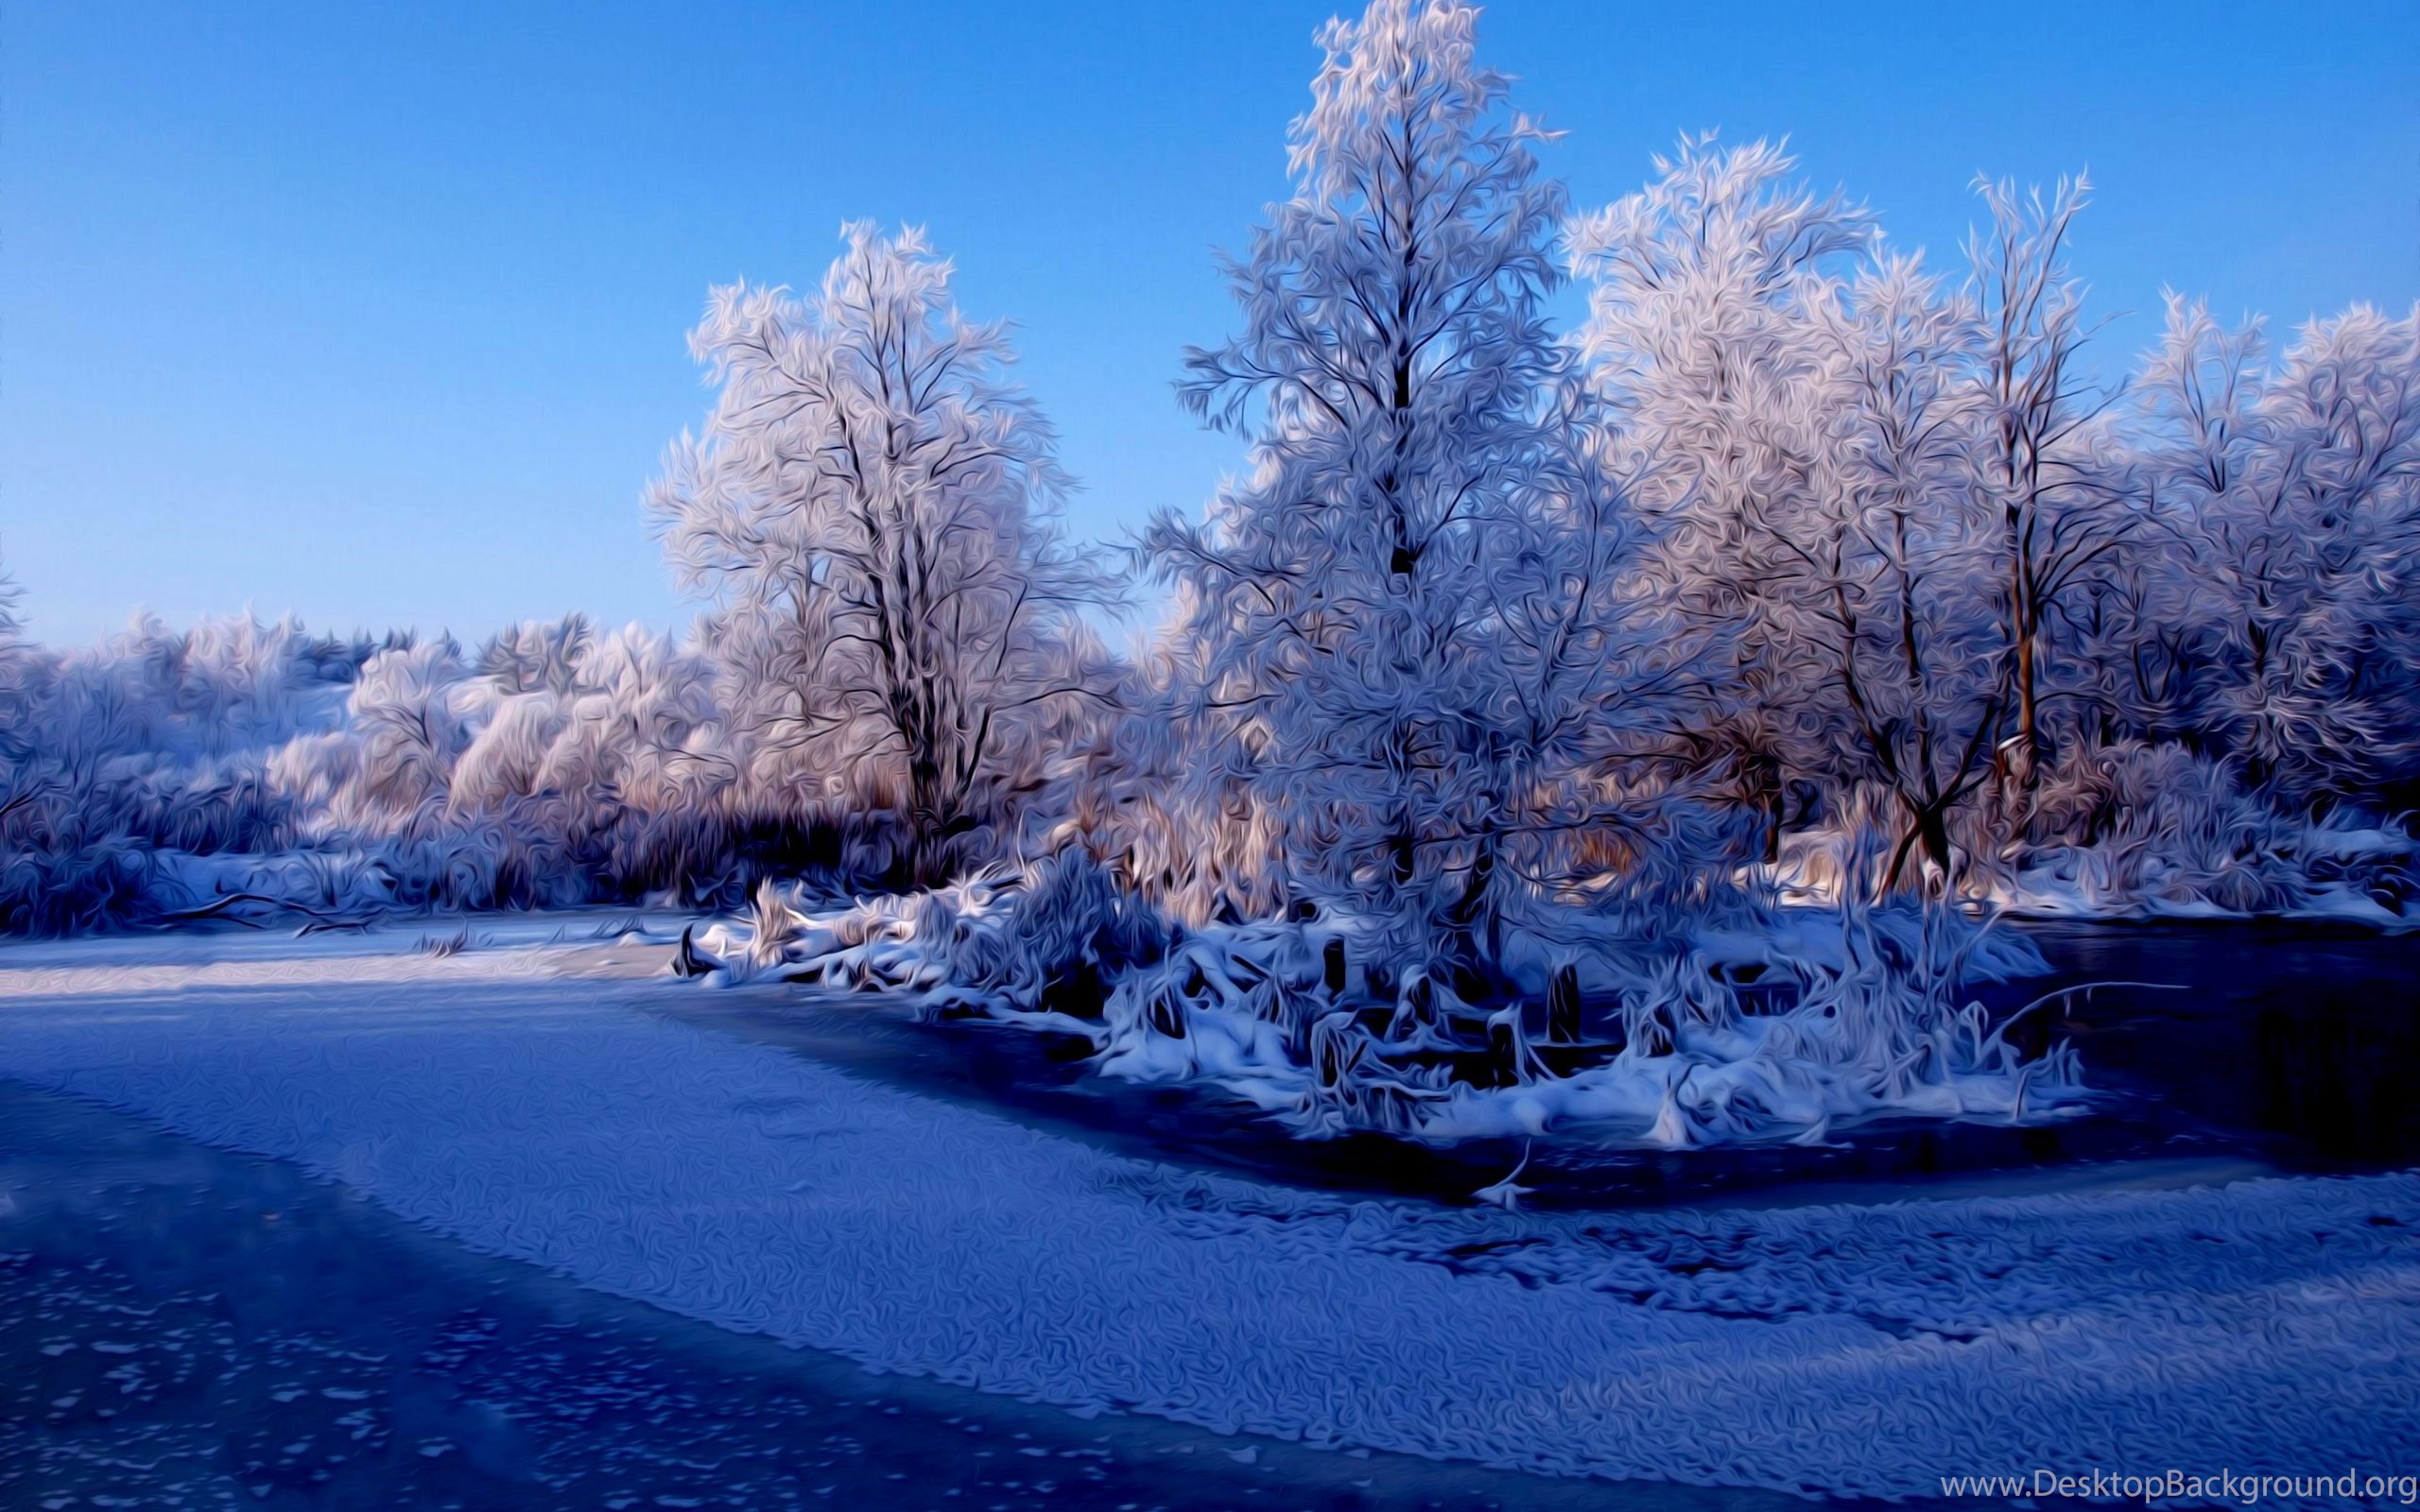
<point x="539" y="1099"/>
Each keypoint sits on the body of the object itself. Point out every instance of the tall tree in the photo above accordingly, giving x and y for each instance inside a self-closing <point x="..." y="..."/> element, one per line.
<point x="1408" y="615"/>
<point x="1896" y="558"/>
<point x="872" y="498"/>
<point x="1711" y="337"/>
<point x="1804" y="415"/>
<point x="2063" y="513"/>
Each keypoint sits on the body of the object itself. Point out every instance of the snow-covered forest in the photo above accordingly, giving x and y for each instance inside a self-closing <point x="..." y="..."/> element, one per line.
<point x="1730" y="657"/>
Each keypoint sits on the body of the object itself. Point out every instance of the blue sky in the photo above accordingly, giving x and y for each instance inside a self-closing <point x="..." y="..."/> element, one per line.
<point x="377" y="313"/>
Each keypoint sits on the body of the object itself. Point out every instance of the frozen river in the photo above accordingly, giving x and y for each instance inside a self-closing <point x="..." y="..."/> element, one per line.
<point x="362" y="1224"/>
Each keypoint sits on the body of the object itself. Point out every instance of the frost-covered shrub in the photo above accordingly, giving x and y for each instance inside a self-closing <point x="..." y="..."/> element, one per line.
<point x="564" y="765"/>
<point x="2163" y="830"/>
<point x="74" y="892"/>
<point x="1742" y="1024"/>
<point x="151" y="745"/>
<point x="1866" y="1024"/>
<point x="243" y="769"/>
<point x="1135" y="799"/>
<point x="1050" y="935"/>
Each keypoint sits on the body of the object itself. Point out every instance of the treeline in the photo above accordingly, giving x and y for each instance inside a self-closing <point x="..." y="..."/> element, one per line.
<point x="1801" y="555"/>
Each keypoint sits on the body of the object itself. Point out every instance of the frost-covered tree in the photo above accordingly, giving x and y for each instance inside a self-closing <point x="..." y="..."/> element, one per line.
<point x="1711" y="340"/>
<point x="1899" y="552"/>
<point x="2343" y="622"/>
<point x="870" y="499"/>
<point x="18" y="672"/>
<point x="406" y="726"/>
<point x="2198" y="434"/>
<point x="1811" y="421"/>
<point x="1409" y="618"/>
<point x="2286" y="587"/>
<point x="537" y="656"/>
<point x="2065" y="512"/>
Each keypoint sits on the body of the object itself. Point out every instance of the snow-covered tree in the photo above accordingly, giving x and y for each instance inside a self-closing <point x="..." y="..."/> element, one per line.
<point x="11" y="601"/>
<point x="2197" y="433"/>
<point x="1410" y="616"/>
<point x="1711" y="337"/>
<point x="2343" y="622"/>
<point x="1809" y="420"/>
<point x="405" y="728"/>
<point x="2065" y="512"/>
<point x="537" y="656"/>
<point x="2285" y="589"/>
<point x="1896" y="557"/>
<point x="872" y="498"/>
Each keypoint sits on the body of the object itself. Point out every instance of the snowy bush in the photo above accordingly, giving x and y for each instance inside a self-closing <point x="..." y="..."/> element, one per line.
<point x="153" y="745"/>
<point x="2161" y="830"/>
<point x="1044" y="938"/>
<point x="240" y="771"/>
<point x="1757" y="1025"/>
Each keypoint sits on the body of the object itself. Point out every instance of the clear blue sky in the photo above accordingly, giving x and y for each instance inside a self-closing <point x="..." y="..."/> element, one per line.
<point x="376" y="312"/>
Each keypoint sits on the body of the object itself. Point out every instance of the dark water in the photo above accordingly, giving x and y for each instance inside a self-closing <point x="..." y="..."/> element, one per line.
<point x="2261" y="1047"/>
<point x="2296" y="1044"/>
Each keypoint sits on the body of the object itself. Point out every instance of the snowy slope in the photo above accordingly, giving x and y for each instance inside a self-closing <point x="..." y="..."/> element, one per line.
<point x="2268" y="1325"/>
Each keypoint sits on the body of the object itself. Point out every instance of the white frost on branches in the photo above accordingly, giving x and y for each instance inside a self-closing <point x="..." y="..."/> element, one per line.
<point x="872" y="498"/>
<point x="1410" y="623"/>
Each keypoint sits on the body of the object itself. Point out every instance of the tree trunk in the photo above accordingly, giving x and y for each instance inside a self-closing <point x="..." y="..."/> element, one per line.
<point x="2025" y="763"/>
<point x="1472" y="920"/>
<point x="1932" y="825"/>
